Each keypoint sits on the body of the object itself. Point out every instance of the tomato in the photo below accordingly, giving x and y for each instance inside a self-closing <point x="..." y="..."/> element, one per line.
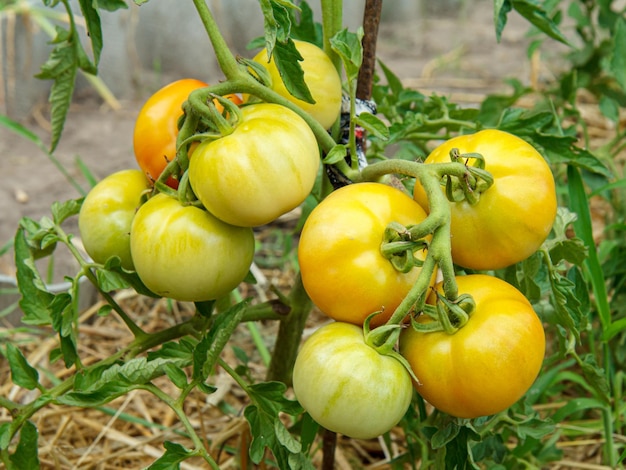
<point x="488" y="364"/>
<point x="185" y="253"/>
<point x="107" y="213"/>
<point x="341" y="264"/>
<point x="266" y="167"/>
<point x="514" y="216"/>
<point x="347" y="386"/>
<point x="156" y="127"/>
<point x="321" y="77"/>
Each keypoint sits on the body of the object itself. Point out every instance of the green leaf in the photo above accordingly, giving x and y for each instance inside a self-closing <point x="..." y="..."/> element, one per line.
<point x="336" y="154"/>
<point x="173" y="456"/>
<point x="35" y="299"/>
<point x="373" y="125"/>
<point x="580" y="205"/>
<point x="110" y="5"/>
<point x="394" y="83"/>
<point x="618" y="58"/>
<point x="176" y="375"/>
<point x="262" y="430"/>
<point x="537" y="16"/>
<point x="596" y="377"/>
<point x="22" y="131"/>
<point x="110" y="280"/>
<point x="26" y="452"/>
<point x="501" y="9"/>
<point x="576" y="405"/>
<point x="349" y="48"/>
<point x="287" y="58"/>
<point x="305" y="27"/>
<point x="22" y="373"/>
<point x="94" y="27"/>
<point x="209" y="348"/>
<point x="61" y="211"/>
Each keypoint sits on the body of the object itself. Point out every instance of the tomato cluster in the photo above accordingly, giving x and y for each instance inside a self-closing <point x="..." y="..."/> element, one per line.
<point x="482" y="366"/>
<point x="192" y="239"/>
<point x="265" y="166"/>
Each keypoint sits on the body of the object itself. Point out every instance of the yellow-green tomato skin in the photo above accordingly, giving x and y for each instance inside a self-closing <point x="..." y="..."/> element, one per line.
<point x="488" y="364"/>
<point x="187" y="254"/>
<point x="347" y="386"/>
<point x="107" y="213"/>
<point x="264" y="169"/>
<point x="321" y="77"/>
<point x="514" y="216"/>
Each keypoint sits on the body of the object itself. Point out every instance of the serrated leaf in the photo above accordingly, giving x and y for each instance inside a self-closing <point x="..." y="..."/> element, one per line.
<point x="444" y="435"/>
<point x="35" y="299"/>
<point x="93" y="25"/>
<point x="287" y="60"/>
<point x="61" y="211"/>
<point x="270" y="397"/>
<point x="110" y="5"/>
<point x="501" y="9"/>
<point x="573" y="251"/>
<point x="373" y="125"/>
<point x="110" y="280"/>
<point x="596" y="377"/>
<point x="22" y="373"/>
<point x="285" y="439"/>
<point x="336" y="154"/>
<point x="538" y="17"/>
<point x="176" y="375"/>
<point x="173" y="456"/>
<point x="394" y="83"/>
<point x="349" y="48"/>
<point x="26" y="452"/>
<point x="262" y="430"/>
<point x="618" y="58"/>
<point x="60" y="100"/>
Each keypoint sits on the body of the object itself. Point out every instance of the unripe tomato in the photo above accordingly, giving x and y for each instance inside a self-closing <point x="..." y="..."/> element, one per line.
<point x="107" y="213"/>
<point x="266" y="167"/>
<point x="488" y="364"/>
<point x="514" y="216"/>
<point x="156" y="127"/>
<point x="321" y="77"/>
<point x="187" y="254"/>
<point x="341" y="264"/>
<point x="347" y="386"/>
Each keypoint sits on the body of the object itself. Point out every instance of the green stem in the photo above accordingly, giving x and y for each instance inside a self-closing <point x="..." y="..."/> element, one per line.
<point x="290" y="334"/>
<point x="176" y="406"/>
<point x="332" y="21"/>
<point x="225" y="58"/>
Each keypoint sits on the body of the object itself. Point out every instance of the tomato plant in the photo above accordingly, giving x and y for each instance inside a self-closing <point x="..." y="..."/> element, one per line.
<point x="185" y="253"/>
<point x="489" y="363"/>
<point x="320" y="76"/>
<point x="107" y="214"/>
<point x="349" y="387"/>
<point x="342" y="267"/>
<point x="514" y="216"/>
<point x="266" y="167"/>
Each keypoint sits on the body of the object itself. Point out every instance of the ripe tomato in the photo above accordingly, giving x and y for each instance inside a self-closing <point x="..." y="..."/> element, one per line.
<point x="185" y="253"/>
<point x="487" y="365"/>
<point x="347" y="386"/>
<point x="107" y="213"/>
<point x="321" y="77"/>
<point x="265" y="168"/>
<point x="341" y="264"/>
<point x="514" y="216"/>
<point x="156" y="128"/>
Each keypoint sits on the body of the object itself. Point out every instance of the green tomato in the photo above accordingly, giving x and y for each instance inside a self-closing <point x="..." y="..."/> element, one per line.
<point x="107" y="213"/>
<point x="266" y="167"/>
<point x="187" y="254"/>
<point x="347" y="386"/>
